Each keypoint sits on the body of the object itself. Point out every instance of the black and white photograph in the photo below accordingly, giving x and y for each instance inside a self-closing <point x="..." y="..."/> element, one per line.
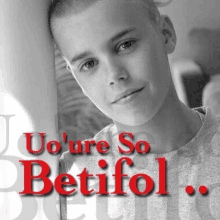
<point x="110" y="110"/>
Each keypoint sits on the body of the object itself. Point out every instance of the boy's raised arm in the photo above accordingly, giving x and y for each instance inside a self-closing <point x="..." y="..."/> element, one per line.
<point x="28" y="103"/>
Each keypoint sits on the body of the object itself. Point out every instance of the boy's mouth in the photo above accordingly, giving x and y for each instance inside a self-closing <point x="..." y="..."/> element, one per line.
<point x="126" y="96"/>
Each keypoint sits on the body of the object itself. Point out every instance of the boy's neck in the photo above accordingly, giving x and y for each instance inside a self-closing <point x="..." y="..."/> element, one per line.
<point x="173" y="126"/>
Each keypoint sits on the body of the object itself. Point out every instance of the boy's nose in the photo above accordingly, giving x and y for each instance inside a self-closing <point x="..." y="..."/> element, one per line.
<point x="117" y="73"/>
<point x="118" y="76"/>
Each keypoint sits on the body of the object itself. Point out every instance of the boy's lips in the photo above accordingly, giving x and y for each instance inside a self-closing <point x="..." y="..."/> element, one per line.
<point x="125" y="96"/>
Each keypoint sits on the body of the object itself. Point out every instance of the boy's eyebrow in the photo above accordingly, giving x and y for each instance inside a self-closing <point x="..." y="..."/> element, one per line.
<point x="122" y="34"/>
<point x="79" y="57"/>
<point x="116" y="37"/>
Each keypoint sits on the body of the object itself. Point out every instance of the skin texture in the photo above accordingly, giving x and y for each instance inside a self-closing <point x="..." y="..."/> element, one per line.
<point x="114" y="71"/>
<point x="135" y="61"/>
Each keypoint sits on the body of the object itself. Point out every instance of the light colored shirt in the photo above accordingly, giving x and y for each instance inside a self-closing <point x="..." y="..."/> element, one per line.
<point x="197" y="163"/>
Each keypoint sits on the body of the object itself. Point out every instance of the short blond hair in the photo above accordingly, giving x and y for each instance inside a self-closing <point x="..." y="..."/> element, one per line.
<point x="61" y="8"/>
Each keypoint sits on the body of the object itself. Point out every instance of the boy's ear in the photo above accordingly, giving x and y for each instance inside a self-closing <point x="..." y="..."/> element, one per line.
<point x="69" y="69"/>
<point x="169" y="34"/>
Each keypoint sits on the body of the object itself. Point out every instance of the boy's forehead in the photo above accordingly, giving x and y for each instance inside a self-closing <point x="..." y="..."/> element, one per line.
<point x="97" y="23"/>
<point x="78" y="6"/>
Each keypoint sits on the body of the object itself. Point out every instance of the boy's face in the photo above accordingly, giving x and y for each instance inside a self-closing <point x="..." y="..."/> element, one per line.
<point x="119" y="59"/>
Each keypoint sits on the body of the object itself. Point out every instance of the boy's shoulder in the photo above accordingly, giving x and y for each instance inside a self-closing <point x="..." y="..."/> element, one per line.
<point x="210" y="130"/>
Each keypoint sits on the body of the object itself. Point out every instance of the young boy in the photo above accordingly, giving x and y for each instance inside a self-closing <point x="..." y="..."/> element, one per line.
<point x="117" y="50"/>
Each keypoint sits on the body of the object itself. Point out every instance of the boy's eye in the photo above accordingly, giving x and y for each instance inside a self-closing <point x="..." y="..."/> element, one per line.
<point x="125" y="46"/>
<point x="89" y="65"/>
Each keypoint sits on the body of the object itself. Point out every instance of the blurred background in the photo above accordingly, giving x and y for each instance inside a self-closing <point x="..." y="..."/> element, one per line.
<point x="195" y="68"/>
